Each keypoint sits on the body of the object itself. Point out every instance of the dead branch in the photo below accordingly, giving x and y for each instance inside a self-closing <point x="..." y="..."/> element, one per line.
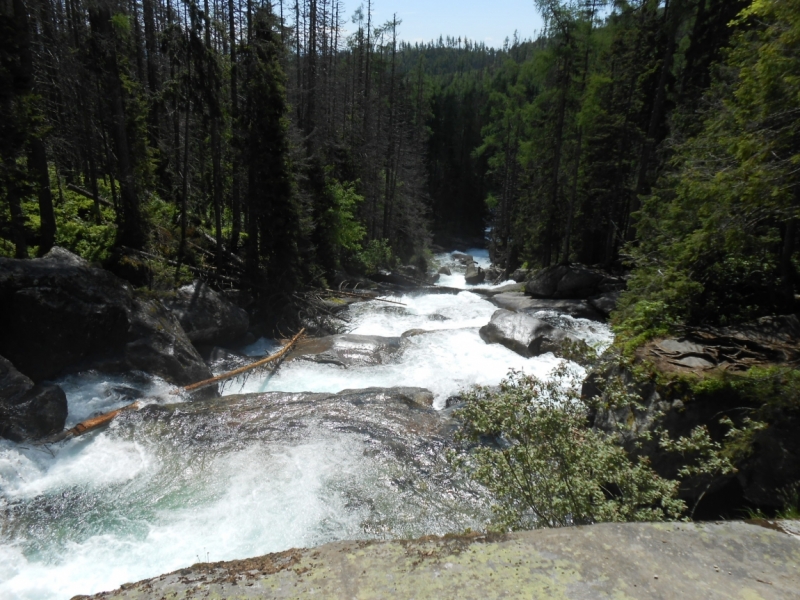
<point x="236" y="372"/>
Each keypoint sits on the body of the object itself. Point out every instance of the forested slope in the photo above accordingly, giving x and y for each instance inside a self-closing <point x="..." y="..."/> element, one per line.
<point x="261" y="144"/>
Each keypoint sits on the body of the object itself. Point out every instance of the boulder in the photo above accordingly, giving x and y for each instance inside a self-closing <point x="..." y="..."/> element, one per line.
<point x="519" y="302"/>
<point x="206" y="316"/>
<point x="493" y="273"/>
<point x="474" y="274"/>
<point x="348" y="350"/>
<point x="445" y="271"/>
<point x="519" y="275"/>
<point x="60" y="312"/>
<point x="605" y="303"/>
<point x="464" y="259"/>
<point x="28" y="410"/>
<point x="571" y="281"/>
<point x="526" y="335"/>
<point x="160" y="347"/>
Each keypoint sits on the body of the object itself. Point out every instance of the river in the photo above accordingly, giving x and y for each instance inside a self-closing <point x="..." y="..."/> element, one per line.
<point x="169" y="486"/>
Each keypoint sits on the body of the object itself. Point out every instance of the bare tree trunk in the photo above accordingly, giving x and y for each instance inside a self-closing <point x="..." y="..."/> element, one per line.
<point x="38" y="162"/>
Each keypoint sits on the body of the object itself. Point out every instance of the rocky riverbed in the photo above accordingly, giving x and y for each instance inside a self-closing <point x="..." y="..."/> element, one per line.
<point x="345" y="442"/>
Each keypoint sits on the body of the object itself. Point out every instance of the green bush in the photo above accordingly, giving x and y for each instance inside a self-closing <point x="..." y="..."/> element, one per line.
<point x="375" y="255"/>
<point x="530" y="445"/>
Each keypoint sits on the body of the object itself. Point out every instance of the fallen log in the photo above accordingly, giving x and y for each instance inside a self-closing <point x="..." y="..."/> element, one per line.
<point x="236" y="372"/>
<point x="104" y="419"/>
<point x="363" y="296"/>
<point x="93" y="423"/>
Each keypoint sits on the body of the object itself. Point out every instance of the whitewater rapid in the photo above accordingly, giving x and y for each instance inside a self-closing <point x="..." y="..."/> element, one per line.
<point x="137" y="500"/>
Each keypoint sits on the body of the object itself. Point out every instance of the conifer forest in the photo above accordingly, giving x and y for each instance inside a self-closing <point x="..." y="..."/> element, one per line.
<point x="276" y="274"/>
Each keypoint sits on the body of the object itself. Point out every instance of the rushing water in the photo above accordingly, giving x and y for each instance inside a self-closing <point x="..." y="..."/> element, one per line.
<point x="167" y="487"/>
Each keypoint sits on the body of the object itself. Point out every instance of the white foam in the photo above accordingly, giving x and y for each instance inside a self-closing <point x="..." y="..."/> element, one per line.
<point x="126" y="504"/>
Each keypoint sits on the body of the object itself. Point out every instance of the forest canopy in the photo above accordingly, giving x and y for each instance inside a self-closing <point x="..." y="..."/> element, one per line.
<point x="261" y="144"/>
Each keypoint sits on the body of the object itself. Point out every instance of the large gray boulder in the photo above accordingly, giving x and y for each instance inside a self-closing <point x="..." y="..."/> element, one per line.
<point x="526" y="335"/>
<point x="570" y="281"/>
<point x="675" y="561"/>
<point x="206" y="316"/>
<point x="474" y="274"/>
<point x="160" y="346"/>
<point x="348" y="350"/>
<point x="28" y="410"/>
<point x="519" y="302"/>
<point x="59" y="312"/>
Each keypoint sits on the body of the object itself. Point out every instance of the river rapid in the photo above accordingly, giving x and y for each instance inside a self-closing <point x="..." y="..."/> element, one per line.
<point x="175" y="484"/>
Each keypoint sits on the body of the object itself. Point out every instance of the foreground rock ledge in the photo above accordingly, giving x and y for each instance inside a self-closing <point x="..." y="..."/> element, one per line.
<point x="642" y="560"/>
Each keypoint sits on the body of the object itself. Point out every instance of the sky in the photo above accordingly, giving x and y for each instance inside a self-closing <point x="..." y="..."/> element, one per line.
<point x="425" y="20"/>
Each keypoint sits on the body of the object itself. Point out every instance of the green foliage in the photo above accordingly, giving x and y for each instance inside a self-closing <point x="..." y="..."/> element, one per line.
<point x="375" y="255"/>
<point x="716" y="240"/>
<point x="348" y="231"/>
<point x="546" y="468"/>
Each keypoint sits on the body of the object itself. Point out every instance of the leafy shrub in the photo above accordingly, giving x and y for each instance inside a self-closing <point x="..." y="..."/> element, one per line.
<point x="375" y="255"/>
<point x="530" y="445"/>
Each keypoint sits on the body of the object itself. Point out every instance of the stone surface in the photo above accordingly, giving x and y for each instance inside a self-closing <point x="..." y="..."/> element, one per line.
<point x="161" y="347"/>
<point x="28" y="410"/>
<point x="57" y="310"/>
<point x="519" y="302"/>
<point x="570" y="281"/>
<point x="524" y="334"/>
<point x="671" y="402"/>
<point x="60" y="312"/>
<point x="348" y="350"/>
<point x="445" y="271"/>
<point x="621" y="561"/>
<point x="206" y="316"/>
<point x="474" y="274"/>
<point x="520" y="275"/>
<point x="605" y="303"/>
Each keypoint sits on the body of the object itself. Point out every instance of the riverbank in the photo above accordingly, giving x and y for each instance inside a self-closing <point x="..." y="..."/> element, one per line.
<point x="641" y="560"/>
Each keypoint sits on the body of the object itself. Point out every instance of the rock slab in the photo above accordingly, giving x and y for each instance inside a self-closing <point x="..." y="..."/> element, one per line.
<point x="59" y="312"/>
<point x="28" y="410"/>
<point x="525" y="335"/>
<point x="571" y="281"/>
<point x="206" y="316"/>
<point x="632" y="560"/>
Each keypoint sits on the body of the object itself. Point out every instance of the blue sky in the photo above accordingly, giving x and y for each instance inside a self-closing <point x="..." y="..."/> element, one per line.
<point x="424" y="20"/>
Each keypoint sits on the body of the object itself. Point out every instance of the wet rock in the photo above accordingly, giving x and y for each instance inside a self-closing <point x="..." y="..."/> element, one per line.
<point x="206" y="316"/>
<point x="445" y="271"/>
<point x="474" y="274"/>
<point x="519" y="302"/>
<point x="28" y="410"/>
<point x="605" y="303"/>
<point x="222" y="360"/>
<point x="525" y="334"/>
<point x="348" y="350"/>
<point x="161" y="347"/>
<point x="464" y="259"/>
<point x="437" y="317"/>
<point x="570" y="281"/>
<point x="493" y="273"/>
<point x="520" y="275"/>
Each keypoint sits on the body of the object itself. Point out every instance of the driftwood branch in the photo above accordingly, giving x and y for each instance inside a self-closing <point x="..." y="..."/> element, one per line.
<point x="93" y="423"/>
<point x="236" y="372"/>
<point x="104" y="419"/>
<point x="363" y="296"/>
